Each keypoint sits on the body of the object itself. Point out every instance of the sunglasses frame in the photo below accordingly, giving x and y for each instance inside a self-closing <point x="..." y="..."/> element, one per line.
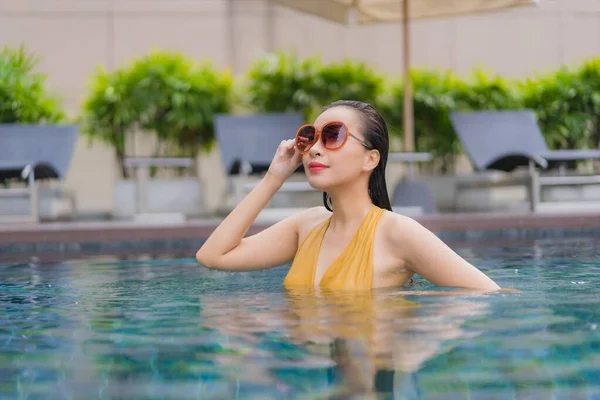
<point x="318" y="137"/>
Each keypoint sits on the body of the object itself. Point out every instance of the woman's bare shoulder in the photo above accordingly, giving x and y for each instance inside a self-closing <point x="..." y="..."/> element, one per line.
<point x="394" y="224"/>
<point x="399" y="229"/>
<point x="310" y="218"/>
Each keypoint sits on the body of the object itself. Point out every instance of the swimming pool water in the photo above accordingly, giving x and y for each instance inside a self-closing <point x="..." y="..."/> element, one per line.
<point x="167" y="328"/>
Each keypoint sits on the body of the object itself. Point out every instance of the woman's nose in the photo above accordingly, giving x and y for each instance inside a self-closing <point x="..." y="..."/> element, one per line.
<point x="316" y="149"/>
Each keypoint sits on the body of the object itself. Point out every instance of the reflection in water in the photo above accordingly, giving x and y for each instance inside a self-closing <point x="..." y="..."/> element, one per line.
<point x="160" y="328"/>
<point x="372" y="341"/>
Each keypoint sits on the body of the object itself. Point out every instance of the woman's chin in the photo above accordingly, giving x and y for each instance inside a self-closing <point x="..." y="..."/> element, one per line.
<point x="318" y="183"/>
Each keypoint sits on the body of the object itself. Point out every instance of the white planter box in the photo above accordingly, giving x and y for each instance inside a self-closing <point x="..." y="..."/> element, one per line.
<point x="53" y="204"/>
<point x="164" y="196"/>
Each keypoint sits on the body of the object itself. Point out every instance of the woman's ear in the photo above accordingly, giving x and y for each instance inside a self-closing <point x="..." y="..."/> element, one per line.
<point x="371" y="160"/>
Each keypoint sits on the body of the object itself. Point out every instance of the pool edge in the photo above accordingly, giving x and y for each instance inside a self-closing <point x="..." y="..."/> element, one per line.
<point x="130" y="237"/>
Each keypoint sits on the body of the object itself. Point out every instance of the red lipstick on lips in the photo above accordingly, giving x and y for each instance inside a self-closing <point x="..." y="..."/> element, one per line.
<point x="316" y="166"/>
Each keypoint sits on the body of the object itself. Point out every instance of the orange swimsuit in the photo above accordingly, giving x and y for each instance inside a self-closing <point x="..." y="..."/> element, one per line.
<point x="352" y="269"/>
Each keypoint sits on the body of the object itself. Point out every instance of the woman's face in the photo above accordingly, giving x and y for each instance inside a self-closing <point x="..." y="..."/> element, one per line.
<point x="326" y="168"/>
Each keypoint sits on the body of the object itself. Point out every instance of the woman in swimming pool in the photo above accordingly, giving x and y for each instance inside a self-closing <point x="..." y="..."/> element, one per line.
<point x="354" y="241"/>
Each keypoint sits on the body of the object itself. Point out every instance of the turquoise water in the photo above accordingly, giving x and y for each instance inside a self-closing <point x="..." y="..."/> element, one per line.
<point x="166" y="328"/>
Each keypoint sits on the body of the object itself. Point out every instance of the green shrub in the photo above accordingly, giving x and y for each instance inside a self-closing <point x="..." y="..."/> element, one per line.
<point x="108" y="113"/>
<point x="433" y="98"/>
<point x="178" y="98"/>
<point x="280" y="82"/>
<point x="23" y="95"/>
<point x="487" y="91"/>
<point x="555" y="98"/>
<point x="163" y="93"/>
<point x="589" y="74"/>
<point x="567" y="105"/>
<point x="345" y="80"/>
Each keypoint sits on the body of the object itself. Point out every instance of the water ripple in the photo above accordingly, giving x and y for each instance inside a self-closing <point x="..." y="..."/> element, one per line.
<point x="170" y="329"/>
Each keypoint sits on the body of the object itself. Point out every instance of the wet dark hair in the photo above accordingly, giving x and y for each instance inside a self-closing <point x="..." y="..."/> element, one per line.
<point x="375" y="131"/>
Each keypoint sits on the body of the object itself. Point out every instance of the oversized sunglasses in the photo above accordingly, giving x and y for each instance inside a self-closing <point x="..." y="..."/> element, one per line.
<point x="333" y="135"/>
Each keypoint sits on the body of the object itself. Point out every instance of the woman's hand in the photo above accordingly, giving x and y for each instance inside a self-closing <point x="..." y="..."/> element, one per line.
<point x="286" y="160"/>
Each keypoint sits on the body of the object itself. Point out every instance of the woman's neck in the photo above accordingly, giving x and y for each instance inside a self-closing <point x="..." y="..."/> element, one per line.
<point x="350" y="205"/>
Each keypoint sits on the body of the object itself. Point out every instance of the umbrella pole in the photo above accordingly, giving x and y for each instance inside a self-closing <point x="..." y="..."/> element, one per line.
<point x="409" y="140"/>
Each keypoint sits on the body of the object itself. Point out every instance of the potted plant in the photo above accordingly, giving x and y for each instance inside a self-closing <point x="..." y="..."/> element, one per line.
<point x="171" y="100"/>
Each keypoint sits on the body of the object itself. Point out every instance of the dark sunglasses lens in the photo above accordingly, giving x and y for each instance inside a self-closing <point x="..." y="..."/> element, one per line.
<point x="333" y="135"/>
<point x="305" y="138"/>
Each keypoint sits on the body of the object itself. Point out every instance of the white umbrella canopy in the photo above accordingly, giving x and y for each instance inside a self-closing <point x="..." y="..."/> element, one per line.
<point x="376" y="11"/>
<point x="381" y="11"/>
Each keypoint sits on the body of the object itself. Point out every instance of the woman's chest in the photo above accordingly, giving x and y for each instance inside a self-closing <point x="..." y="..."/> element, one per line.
<point x="365" y="259"/>
<point x="333" y="250"/>
<point x="389" y="265"/>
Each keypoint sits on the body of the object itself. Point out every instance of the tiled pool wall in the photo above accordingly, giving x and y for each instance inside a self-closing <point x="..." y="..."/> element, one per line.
<point x="62" y="240"/>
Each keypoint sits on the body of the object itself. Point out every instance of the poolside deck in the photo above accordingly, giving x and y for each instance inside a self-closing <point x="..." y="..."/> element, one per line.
<point x="450" y="226"/>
